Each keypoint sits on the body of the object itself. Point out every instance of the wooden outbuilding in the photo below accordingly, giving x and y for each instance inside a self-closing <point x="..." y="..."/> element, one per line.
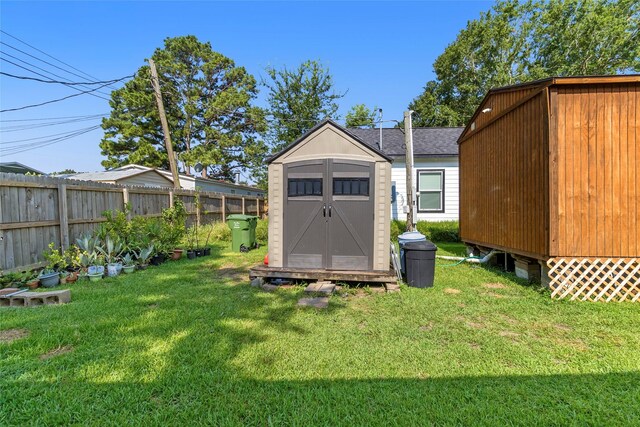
<point x="549" y="173"/>
<point x="329" y="208"/>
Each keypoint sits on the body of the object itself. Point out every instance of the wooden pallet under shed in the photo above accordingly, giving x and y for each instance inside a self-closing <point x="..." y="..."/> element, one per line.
<point x="323" y="274"/>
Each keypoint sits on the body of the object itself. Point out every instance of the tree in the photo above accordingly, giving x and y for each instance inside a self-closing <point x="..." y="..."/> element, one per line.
<point x="208" y="102"/>
<point x="64" y="172"/>
<point x="361" y="116"/>
<point x="518" y="41"/>
<point x="298" y="99"/>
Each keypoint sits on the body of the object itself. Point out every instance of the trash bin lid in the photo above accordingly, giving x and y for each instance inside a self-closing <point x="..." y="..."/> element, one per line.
<point x="408" y="236"/>
<point x="420" y="246"/>
<point x="241" y="217"/>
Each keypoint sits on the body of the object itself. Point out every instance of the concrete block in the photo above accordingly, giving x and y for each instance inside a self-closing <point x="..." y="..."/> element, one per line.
<point x="269" y="287"/>
<point x="257" y="282"/>
<point x="545" y="280"/>
<point x="392" y="287"/>
<point x="34" y="299"/>
<point x="319" y="302"/>
<point x="19" y="301"/>
<point x="325" y="288"/>
<point x="5" y="302"/>
<point x="528" y="270"/>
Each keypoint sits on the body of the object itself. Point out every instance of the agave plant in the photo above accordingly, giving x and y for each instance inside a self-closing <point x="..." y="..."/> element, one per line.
<point x="144" y="255"/>
<point x="111" y="250"/>
<point x="87" y="243"/>
<point x="127" y="260"/>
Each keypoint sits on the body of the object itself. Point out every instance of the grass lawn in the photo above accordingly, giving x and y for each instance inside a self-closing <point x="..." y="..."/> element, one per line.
<point x="190" y="342"/>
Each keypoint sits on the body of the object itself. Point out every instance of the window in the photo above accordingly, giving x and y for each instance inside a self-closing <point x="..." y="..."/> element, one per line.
<point x="350" y="186"/>
<point x="430" y="191"/>
<point x="298" y="187"/>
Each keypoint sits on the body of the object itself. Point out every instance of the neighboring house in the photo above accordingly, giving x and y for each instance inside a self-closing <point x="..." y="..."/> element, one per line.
<point x="19" y="168"/>
<point x="149" y="177"/>
<point x="435" y="169"/>
<point x="144" y="178"/>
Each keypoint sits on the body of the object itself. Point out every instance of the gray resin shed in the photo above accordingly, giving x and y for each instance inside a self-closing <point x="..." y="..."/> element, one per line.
<point x="329" y="203"/>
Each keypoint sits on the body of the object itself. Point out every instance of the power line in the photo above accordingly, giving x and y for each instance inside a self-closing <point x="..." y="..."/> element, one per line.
<point x="52" y="101"/>
<point x="59" y="82"/>
<point x="17" y="150"/>
<point x="15" y="141"/>
<point x="52" y="118"/>
<point x="39" y="74"/>
<point x="52" y="57"/>
<point x="18" y="128"/>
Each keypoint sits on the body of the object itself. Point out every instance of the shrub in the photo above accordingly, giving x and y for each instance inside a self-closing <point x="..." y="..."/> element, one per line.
<point x="262" y="231"/>
<point x="437" y="231"/>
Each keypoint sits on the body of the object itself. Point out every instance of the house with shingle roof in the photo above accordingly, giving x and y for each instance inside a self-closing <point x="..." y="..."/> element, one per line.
<point x="435" y="169"/>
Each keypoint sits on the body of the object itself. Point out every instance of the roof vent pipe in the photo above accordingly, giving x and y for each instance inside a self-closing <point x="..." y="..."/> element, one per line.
<point x="380" y="119"/>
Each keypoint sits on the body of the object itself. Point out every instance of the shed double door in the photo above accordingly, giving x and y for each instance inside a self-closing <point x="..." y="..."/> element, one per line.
<point x="328" y="215"/>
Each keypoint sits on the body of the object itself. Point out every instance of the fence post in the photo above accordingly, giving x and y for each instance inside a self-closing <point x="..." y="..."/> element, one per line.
<point x="64" y="216"/>
<point x="257" y="207"/>
<point x="243" y="205"/>
<point x="224" y="210"/>
<point x="171" y="198"/>
<point x="125" y="199"/>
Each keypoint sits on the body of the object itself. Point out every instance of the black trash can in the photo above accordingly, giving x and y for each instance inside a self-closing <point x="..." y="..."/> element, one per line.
<point x="420" y="258"/>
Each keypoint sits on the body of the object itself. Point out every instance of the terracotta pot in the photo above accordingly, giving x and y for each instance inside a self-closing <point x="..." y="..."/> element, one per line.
<point x="73" y="276"/>
<point x="33" y="284"/>
<point x="177" y="254"/>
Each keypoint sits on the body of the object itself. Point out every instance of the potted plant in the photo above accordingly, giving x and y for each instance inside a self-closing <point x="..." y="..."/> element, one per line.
<point x="207" y="249"/>
<point x="191" y="253"/>
<point x="143" y="257"/>
<point x="49" y="278"/>
<point x="111" y="251"/>
<point x="96" y="270"/>
<point x="128" y="265"/>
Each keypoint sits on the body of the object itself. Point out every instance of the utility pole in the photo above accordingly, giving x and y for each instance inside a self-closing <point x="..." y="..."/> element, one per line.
<point x="165" y="126"/>
<point x="408" y="142"/>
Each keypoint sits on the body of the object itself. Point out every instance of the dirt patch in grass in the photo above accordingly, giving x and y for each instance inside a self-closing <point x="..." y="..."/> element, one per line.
<point x="508" y="334"/>
<point x="563" y="327"/>
<point x="233" y="273"/>
<point x="509" y="319"/>
<point x="475" y="325"/>
<point x="452" y="291"/>
<point x="475" y="345"/>
<point x="10" y="335"/>
<point x="494" y="295"/>
<point x="427" y="327"/>
<point x="56" y="352"/>
<point x="494" y="286"/>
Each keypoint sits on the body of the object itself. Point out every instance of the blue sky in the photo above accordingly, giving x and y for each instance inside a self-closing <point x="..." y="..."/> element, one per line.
<point x="381" y="53"/>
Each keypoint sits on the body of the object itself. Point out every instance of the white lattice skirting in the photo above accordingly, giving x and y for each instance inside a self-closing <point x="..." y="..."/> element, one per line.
<point x="595" y="279"/>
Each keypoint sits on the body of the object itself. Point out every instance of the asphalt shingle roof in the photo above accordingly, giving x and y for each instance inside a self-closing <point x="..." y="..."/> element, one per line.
<point x="427" y="142"/>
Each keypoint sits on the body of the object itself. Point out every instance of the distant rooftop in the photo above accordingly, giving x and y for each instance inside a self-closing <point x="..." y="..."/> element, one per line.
<point x="427" y="142"/>
<point x="15" y="167"/>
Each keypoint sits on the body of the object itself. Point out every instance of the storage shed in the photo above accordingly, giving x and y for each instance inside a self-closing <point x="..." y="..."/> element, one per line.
<point x="329" y="206"/>
<point x="549" y="174"/>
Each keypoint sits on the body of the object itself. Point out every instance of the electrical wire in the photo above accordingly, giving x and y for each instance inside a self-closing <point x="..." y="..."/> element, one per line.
<point x="43" y="75"/>
<point x="53" y="57"/>
<point x="51" y="118"/>
<point x="18" y="128"/>
<point x="33" y="146"/>
<point x="59" y="82"/>
<point x="16" y="141"/>
<point x="52" y="101"/>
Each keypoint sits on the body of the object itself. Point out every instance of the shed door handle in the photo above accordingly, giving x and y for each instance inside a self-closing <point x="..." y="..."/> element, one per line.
<point x="324" y="210"/>
<point x="330" y="207"/>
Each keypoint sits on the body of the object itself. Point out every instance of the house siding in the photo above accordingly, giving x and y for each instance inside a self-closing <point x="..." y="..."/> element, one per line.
<point x="147" y="179"/>
<point x="451" y="187"/>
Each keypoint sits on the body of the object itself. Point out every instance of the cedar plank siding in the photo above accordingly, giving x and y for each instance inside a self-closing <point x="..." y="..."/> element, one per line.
<point x="556" y="174"/>
<point x="503" y="175"/>
<point x="597" y="136"/>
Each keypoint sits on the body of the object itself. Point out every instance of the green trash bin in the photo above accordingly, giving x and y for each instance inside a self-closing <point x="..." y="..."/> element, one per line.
<point x="243" y="230"/>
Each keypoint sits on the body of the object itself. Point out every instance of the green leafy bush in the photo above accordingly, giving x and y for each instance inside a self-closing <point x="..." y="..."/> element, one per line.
<point x="437" y="231"/>
<point x="262" y="231"/>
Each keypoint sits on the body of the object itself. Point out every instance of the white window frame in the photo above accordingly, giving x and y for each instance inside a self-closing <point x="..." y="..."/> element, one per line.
<point x="419" y="192"/>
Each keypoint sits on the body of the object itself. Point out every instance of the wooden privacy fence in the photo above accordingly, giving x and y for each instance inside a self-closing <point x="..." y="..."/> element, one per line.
<point x="36" y="210"/>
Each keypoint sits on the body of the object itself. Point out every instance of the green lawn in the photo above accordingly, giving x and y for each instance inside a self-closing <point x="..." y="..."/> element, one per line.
<point x="190" y="342"/>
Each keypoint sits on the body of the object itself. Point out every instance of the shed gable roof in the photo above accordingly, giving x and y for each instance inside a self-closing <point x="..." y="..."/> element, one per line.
<point x="546" y="83"/>
<point x="328" y="124"/>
